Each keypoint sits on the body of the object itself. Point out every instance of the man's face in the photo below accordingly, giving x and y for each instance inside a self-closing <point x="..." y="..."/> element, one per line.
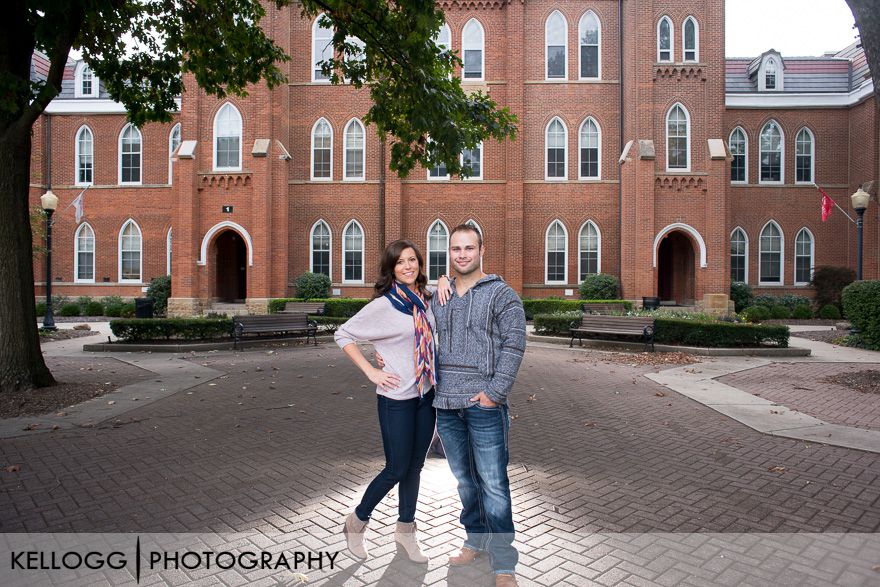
<point x="465" y="252"/>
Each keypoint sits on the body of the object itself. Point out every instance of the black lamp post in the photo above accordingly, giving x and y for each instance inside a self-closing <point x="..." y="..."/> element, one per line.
<point x="860" y="203"/>
<point x="49" y="201"/>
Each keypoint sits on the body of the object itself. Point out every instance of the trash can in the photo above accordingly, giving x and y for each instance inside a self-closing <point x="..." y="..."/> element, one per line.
<point x="143" y="307"/>
<point x="650" y="302"/>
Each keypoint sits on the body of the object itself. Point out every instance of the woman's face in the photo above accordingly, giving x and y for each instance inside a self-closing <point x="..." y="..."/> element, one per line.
<point x="407" y="269"/>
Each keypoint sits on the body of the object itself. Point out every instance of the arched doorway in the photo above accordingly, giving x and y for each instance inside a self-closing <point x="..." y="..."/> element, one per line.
<point x="231" y="267"/>
<point x="676" y="278"/>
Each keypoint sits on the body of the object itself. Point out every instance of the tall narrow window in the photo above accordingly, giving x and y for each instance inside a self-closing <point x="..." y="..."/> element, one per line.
<point x="739" y="156"/>
<point x="84" y="256"/>
<point x="86" y="81"/>
<point x="590" y="144"/>
<point x="359" y="53"/>
<point x="556" y="45"/>
<point x="85" y="158"/>
<point x="771" y="155"/>
<point x="556" y="243"/>
<point x="444" y="38"/>
<point x="588" y="251"/>
<point x="804" y="160"/>
<point x="664" y="39"/>
<point x="227" y="138"/>
<point x="322" y="49"/>
<point x="473" y="158"/>
<point x="678" y="139"/>
<point x="770" y="75"/>
<point x="438" y="250"/>
<point x="557" y="142"/>
<point x="168" y="253"/>
<point x="353" y="253"/>
<point x="173" y="143"/>
<point x="803" y="257"/>
<point x="355" y="154"/>
<point x="770" y="270"/>
<point x="322" y="151"/>
<point x="738" y="255"/>
<point x="130" y="155"/>
<point x="691" y="38"/>
<point x="473" y="47"/>
<point x="589" y="35"/>
<point x="130" y="253"/>
<point x="320" y="248"/>
<point x="85" y="84"/>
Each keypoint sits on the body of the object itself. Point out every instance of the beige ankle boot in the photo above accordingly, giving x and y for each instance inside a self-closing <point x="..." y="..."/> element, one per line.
<point x="405" y="537"/>
<point x="353" y="530"/>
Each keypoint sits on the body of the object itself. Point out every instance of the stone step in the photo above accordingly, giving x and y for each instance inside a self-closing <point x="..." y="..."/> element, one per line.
<point x="228" y="309"/>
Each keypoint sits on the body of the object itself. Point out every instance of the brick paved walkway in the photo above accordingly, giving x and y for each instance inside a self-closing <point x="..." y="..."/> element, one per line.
<point x="603" y="463"/>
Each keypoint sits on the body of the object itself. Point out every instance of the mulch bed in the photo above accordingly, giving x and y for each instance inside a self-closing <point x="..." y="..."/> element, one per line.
<point x="65" y="334"/>
<point x="828" y="336"/>
<point x="653" y="359"/>
<point x="796" y="322"/>
<point x="867" y="381"/>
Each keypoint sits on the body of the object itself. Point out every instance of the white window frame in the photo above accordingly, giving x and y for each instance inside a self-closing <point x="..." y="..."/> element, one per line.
<point x="312" y="164"/>
<point x="76" y="278"/>
<point x="315" y="53"/>
<point x="345" y="176"/>
<point x="684" y="49"/>
<point x="812" y="156"/>
<point x="781" y="181"/>
<point x="687" y="118"/>
<point x="564" y="152"/>
<point x="465" y="47"/>
<point x="168" y="243"/>
<point x="474" y="224"/>
<point x="125" y="224"/>
<point x="429" y="249"/>
<point x="140" y="158"/>
<point x="746" y="154"/>
<point x="746" y="252"/>
<point x="598" y="248"/>
<point x="547" y="280"/>
<point x="671" y="40"/>
<point x="76" y="156"/>
<point x="555" y="13"/>
<point x="312" y="247"/>
<point x="761" y="280"/>
<point x="345" y="278"/>
<point x="474" y="177"/>
<point x="580" y="149"/>
<point x="762" y="75"/>
<point x="77" y="83"/>
<point x="580" y="44"/>
<point x="812" y="256"/>
<point x="172" y="148"/>
<point x="225" y="108"/>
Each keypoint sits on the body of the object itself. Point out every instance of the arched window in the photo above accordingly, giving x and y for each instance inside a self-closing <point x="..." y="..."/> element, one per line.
<point x="678" y="139"/>
<point x="84" y="255"/>
<point x="590" y="147"/>
<point x="322" y="48"/>
<point x="772" y="153"/>
<point x="130" y="253"/>
<point x="322" y="151"/>
<point x="85" y="84"/>
<point x="770" y="268"/>
<point x="130" y="148"/>
<point x="473" y="158"/>
<point x="444" y="37"/>
<point x="360" y="50"/>
<point x="556" y="46"/>
<point x="320" y="245"/>
<point x="589" y="247"/>
<point x="556" y="262"/>
<point x="473" y="47"/>
<point x="691" y="39"/>
<point x="770" y="75"/>
<point x="590" y="37"/>
<point x="355" y="153"/>
<point x="438" y="250"/>
<point x="739" y="255"/>
<point x="664" y="39"/>
<point x="556" y="151"/>
<point x="804" y="161"/>
<point x="353" y="253"/>
<point x="227" y="138"/>
<point x="804" y="247"/>
<point x="168" y="253"/>
<point x="85" y="156"/>
<point x="739" y="152"/>
<point x="173" y="143"/>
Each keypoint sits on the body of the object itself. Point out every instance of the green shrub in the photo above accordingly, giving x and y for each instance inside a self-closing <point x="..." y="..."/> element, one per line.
<point x="741" y="294"/>
<point x="790" y="301"/>
<point x="756" y="314"/>
<point x="829" y="283"/>
<point x="312" y="285"/>
<point x="127" y="310"/>
<point x="94" y="309"/>
<point x="556" y="305"/>
<point x="829" y="312"/>
<point x="802" y="312"/>
<point x="113" y="300"/>
<point x="718" y="334"/>
<point x="861" y="301"/>
<point x="338" y="307"/>
<point x="113" y="310"/>
<point x="83" y="302"/>
<point x="600" y="286"/>
<point x="780" y="312"/>
<point x="41" y="309"/>
<point x="69" y="309"/>
<point x="150" y="329"/>
<point x="556" y="323"/>
<point x="160" y="291"/>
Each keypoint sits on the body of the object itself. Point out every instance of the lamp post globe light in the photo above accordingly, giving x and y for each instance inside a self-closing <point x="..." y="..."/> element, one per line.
<point x="860" y="203"/>
<point x="49" y="202"/>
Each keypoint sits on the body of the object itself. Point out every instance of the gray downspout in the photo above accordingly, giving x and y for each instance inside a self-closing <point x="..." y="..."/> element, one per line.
<point x="620" y="149"/>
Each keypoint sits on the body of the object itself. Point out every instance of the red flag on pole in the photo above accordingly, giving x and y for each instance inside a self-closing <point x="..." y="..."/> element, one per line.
<point x="827" y="204"/>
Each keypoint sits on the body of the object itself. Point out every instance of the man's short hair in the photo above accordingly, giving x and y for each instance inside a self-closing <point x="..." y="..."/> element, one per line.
<point x="468" y="227"/>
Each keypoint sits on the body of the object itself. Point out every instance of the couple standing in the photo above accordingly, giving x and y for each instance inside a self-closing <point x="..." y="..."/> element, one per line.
<point x="446" y="362"/>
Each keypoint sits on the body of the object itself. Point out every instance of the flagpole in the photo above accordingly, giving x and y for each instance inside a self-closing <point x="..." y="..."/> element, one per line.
<point x="836" y="204"/>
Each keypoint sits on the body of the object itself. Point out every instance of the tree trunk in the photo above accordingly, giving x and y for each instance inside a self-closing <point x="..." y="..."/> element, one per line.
<point x="21" y="361"/>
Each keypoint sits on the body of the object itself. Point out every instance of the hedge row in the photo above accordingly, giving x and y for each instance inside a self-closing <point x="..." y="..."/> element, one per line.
<point x="333" y="307"/>
<point x="144" y="329"/>
<point x="534" y="307"/>
<point x="861" y="302"/>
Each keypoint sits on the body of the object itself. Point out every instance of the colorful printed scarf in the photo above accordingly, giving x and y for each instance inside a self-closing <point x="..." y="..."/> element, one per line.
<point x="411" y="303"/>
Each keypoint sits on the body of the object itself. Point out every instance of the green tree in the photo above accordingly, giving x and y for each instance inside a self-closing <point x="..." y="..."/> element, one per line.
<point x="141" y="49"/>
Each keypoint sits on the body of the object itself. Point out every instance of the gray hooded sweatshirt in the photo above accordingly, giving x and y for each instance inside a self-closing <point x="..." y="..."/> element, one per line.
<point x="480" y="343"/>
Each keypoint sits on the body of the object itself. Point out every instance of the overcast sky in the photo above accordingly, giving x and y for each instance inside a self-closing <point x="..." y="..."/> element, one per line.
<point x="795" y="28"/>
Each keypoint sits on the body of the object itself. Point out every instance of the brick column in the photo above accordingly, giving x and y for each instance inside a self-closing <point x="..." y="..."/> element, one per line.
<point x="185" y="300"/>
<point x="515" y="157"/>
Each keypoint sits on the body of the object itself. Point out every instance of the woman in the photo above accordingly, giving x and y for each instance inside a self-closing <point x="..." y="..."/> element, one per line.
<point x="400" y="324"/>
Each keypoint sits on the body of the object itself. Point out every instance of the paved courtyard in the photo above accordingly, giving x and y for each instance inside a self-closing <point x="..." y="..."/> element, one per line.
<point x="616" y="479"/>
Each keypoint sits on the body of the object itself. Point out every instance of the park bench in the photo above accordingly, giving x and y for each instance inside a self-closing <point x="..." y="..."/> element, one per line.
<point x="316" y="308"/>
<point x="604" y="309"/>
<point x="274" y="324"/>
<point x="637" y="326"/>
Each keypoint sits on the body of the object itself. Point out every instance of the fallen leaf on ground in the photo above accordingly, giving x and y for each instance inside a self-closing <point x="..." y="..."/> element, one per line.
<point x="660" y="394"/>
<point x="777" y="469"/>
<point x="13" y="468"/>
<point x="533" y="397"/>
<point x="589" y="424"/>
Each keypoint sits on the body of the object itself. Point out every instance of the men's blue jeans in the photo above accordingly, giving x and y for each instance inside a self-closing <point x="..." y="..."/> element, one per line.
<point x="475" y="441"/>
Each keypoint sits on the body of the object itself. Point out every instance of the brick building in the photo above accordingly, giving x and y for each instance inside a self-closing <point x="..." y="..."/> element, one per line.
<point x="642" y="152"/>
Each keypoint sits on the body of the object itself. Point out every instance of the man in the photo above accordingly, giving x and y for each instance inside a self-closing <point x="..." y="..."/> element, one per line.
<point x="481" y="341"/>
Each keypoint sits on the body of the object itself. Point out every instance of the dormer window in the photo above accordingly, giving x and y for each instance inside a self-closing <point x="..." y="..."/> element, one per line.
<point x="770" y="75"/>
<point x="85" y="82"/>
<point x="770" y="78"/>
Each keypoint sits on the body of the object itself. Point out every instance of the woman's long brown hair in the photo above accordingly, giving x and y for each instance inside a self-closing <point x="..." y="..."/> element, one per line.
<point x="389" y="262"/>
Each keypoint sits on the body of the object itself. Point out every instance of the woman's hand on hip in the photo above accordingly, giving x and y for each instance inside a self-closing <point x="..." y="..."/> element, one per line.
<point x="386" y="381"/>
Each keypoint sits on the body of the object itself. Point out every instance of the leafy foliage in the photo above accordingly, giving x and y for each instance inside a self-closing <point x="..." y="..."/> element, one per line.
<point x="790" y="301"/>
<point x="756" y="314"/>
<point x="780" y="312"/>
<point x="829" y="283"/>
<point x="829" y="312"/>
<point x="600" y="286"/>
<point x="554" y="306"/>
<point x="861" y="301"/>
<point x="802" y="312"/>
<point x="312" y="285"/>
<point x="741" y="294"/>
<point x="160" y="290"/>
<point x="146" y="329"/>
<point x="333" y="307"/>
